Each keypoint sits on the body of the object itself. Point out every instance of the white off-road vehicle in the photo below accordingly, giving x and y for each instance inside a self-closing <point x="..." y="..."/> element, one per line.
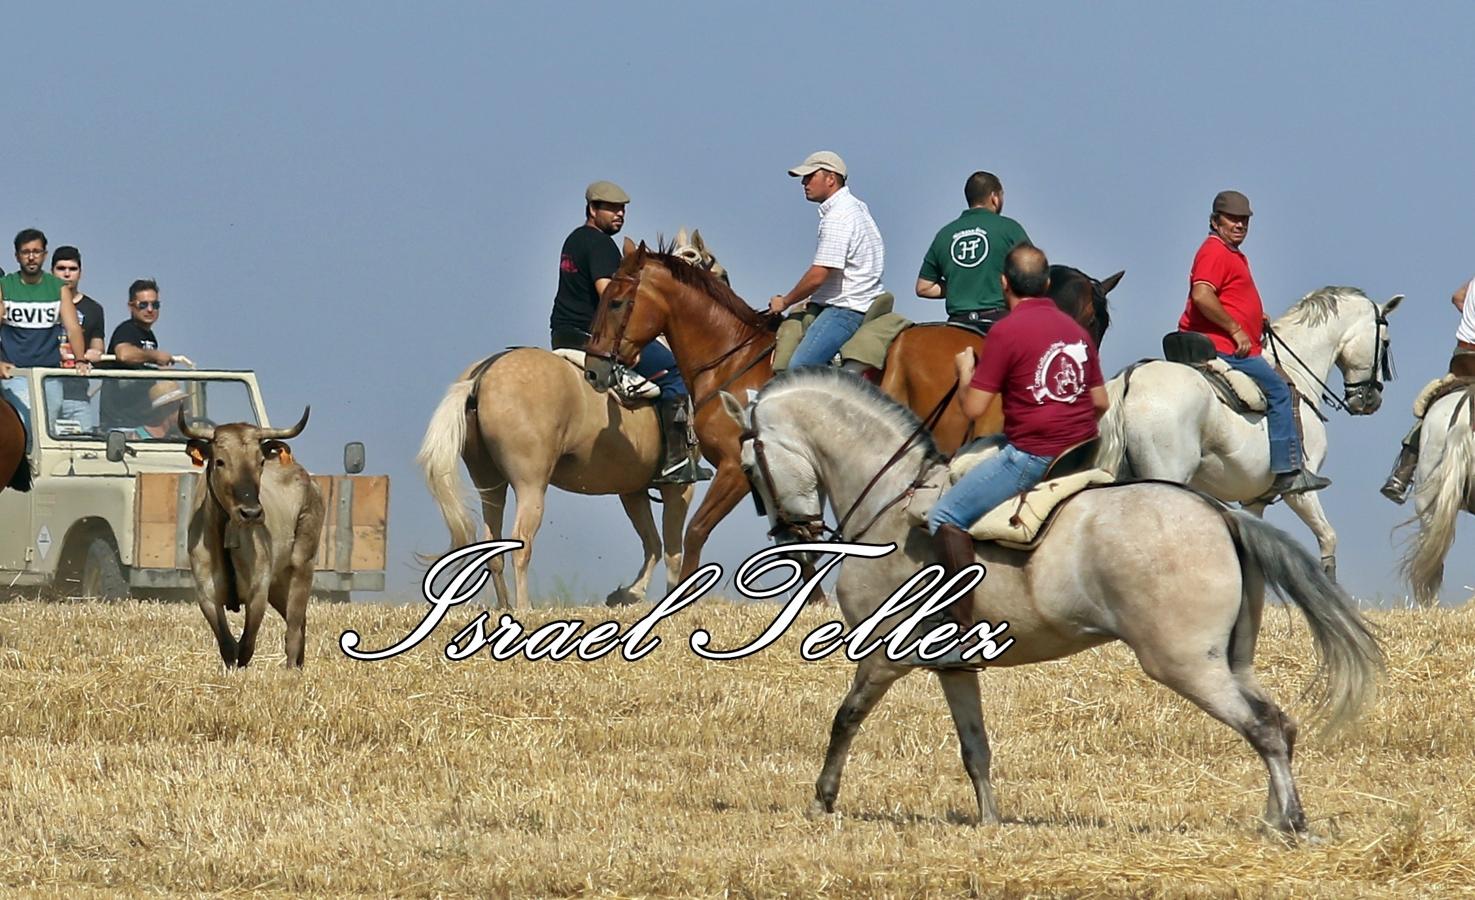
<point x="108" y="508"/>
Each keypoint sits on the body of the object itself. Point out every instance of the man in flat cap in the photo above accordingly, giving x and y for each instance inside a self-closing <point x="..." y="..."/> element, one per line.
<point x="588" y="262"/>
<point x="1224" y="305"/>
<point x="848" y="263"/>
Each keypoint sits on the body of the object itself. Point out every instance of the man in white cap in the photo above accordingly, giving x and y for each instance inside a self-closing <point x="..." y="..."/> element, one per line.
<point x="587" y="264"/>
<point x="848" y="263"/>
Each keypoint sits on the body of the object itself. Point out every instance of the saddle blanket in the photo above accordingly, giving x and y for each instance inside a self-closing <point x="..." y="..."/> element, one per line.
<point x="1242" y="387"/>
<point x="1438" y="388"/>
<point x="1019" y="522"/>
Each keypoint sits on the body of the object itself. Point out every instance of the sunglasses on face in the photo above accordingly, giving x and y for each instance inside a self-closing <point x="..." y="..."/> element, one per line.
<point x="147" y="304"/>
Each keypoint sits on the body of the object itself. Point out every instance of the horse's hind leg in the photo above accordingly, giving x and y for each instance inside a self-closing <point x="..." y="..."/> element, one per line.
<point x="1208" y="681"/>
<point x="961" y="689"/>
<point x="675" y="502"/>
<point x="525" y="525"/>
<point x="871" y="682"/>
<point x="1308" y="507"/>
<point x="493" y="509"/>
<point x="637" y="508"/>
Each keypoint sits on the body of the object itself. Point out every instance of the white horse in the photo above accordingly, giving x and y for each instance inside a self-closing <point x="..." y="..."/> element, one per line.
<point x="1175" y="575"/>
<point x="1444" y="484"/>
<point x="1167" y="422"/>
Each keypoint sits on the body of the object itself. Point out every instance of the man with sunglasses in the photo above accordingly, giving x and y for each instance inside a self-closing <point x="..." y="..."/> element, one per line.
<point x="134" y="345"/>
<point x="587" y="263"/>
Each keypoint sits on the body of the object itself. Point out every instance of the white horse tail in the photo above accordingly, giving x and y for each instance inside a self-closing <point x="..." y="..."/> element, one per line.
<point x="1350" y="657"/>
<point x="1439" y="500"/>
<point x="439" y="453"/>
<point x="1112" y="454"/>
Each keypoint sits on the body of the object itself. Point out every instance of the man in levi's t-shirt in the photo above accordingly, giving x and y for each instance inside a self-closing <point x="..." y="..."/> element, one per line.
<point x="1045" y="367"/>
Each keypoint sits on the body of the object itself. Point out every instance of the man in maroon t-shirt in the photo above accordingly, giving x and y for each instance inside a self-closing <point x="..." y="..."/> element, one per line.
<point x="1045" y="366"/>
<point x="1224" y="305"/>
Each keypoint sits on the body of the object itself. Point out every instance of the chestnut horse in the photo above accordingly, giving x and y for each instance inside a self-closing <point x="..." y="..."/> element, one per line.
<point x="15" y="473"/>
<point x="919" y="370"/>
<point x="723" y="344"/>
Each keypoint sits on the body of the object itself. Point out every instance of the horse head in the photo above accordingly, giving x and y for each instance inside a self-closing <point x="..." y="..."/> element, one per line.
<point x="1345" y="327"/>
<point x="784" y="485"/>
<point x="1365" y="358"/>
<point x="1083" y="298"/>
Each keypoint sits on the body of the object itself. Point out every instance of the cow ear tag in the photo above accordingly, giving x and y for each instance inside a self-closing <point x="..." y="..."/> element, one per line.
<point x="280" y="452"/>
<point x="196" y="454"/>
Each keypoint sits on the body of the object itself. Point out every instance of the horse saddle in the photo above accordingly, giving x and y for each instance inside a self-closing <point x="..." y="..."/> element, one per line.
<point x="1235" y="389"/>
<point x="1438" y="388"/>
<point x="1022" y="521"/>
<point x="630" y="385"/>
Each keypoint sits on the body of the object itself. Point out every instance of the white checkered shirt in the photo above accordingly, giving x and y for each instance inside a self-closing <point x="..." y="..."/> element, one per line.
<point x="849" y="242"/>
<point x="1466" y="331"/>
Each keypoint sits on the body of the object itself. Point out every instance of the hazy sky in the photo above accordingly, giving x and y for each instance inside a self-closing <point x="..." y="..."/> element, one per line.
<point x="359" y="204"/>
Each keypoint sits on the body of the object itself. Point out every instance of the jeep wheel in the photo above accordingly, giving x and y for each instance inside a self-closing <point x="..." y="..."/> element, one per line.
<point x="102" y="572"/>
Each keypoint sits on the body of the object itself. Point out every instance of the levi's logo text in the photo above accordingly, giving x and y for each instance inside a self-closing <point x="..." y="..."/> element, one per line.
<point x="32" y="315"/>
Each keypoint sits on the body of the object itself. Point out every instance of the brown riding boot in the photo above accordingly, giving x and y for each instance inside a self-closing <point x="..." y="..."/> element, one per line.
<point x="954" y="549"/>
<point x="680" y="462"/>
<point x="1402" y="477"/>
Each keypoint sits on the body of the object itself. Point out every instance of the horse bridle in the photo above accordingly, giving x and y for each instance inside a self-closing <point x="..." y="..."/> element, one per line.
<point x="813" y="527"/>
<point x="1369" y="387"/>
<point x="613" y="356"/>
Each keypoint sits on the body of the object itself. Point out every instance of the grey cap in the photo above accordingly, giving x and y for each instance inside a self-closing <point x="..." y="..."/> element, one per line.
<point x="822" y="159"/>
<point x="605" y="192"/>
<point x="1232" y="203"/>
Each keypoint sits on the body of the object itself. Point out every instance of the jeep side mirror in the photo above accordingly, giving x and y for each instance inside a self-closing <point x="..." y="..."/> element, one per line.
<point x="353" y="457"/>
<point x="117" y="446"/>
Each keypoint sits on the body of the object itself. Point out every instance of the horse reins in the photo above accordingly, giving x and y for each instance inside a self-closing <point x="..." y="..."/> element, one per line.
<point x="1382" y="364"/>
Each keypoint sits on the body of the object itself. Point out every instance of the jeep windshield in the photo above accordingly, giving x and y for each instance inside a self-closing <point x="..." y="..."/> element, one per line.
<point x="143" y="404"/>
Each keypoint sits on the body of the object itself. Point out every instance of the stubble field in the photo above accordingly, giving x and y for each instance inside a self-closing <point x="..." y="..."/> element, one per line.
<point x="130" y="762"/>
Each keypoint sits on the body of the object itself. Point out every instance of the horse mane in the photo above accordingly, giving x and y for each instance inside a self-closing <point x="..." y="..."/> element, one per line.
<point x="1321" y="304"/>
<point x="691" y="276"/>
<point x="835" y="381"/>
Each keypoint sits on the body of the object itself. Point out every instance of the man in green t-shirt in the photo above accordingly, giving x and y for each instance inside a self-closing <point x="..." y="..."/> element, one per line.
<point x="965" y="261"/>
<point x="37" y="311"/>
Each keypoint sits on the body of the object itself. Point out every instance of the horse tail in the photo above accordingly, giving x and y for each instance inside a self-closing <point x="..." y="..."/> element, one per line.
<point x="1112" y="455"/>
<point x="1349" y="654"/>
<point x="1438" y="500"/>
<point x="439" y="452"/>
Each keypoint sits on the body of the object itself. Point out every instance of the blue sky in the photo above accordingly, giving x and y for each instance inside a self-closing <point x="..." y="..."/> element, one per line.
<point x="358" y="205"/>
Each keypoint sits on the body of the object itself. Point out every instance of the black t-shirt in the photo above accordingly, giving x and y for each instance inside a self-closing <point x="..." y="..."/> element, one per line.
<point x="94" y="325"/>
<point x="588" y="255"/>
<point x="126" y="403"/>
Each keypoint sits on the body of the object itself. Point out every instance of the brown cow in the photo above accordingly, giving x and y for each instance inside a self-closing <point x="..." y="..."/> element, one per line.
<point x="253" y="533"/>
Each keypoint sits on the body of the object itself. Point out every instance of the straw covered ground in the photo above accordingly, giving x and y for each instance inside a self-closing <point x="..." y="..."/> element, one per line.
<point x="130" y="762"/>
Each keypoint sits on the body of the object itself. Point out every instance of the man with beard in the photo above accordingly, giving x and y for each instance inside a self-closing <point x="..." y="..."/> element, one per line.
<point x="38" y="313"/>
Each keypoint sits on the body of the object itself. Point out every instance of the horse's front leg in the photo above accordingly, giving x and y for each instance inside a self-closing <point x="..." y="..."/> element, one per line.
<point x="872" y="678"/>
<point x="675" y="503"/>
<point x="1308" y="507"/>
<point x="637" y="508"/>
<point x="961" y="689"/>
<point x="728" y="487"/>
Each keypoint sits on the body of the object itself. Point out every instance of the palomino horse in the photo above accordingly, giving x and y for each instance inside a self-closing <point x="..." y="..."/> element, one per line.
<point x="722" y="344"/>
<point x="1166" y="421"/>
<point x="1444" y="484"/>
<point x="1192" y="620"/>
<point x="919" y="369"/>
<point x="527" y="419"/>
<point x="15" y="472"/>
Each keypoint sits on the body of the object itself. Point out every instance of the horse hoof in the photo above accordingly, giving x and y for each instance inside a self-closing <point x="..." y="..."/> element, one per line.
<point x="621" y="597"/>
<point x="818" y="810"/>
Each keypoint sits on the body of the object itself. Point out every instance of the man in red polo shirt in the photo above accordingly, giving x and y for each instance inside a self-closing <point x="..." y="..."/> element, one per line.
<point x="1224" y="305"/>
<point x="1045" y="366"/>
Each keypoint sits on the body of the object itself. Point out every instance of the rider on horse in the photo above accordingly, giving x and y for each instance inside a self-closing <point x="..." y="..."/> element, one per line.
<point x="1046" y="368"/>
<point x="589" y="260"/>
<point x="845" y="277"/>
<point x="1224" y="305"/>
<point x="966" y="258"/>
<point x="1461" y="365"/>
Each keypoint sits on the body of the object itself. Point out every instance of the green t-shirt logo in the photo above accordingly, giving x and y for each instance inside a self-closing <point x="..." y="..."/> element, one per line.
<point x="970" y="247"/>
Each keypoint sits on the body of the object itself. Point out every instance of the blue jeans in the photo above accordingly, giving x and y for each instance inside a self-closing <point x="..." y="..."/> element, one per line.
<point x="826" y="335"/>
<point x="659" y="365"/>
<point x="18" y="391"/>
<point x="1285" y="447"/>
<point x="988" y="484"/>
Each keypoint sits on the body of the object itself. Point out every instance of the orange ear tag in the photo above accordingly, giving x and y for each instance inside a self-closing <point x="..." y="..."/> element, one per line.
<point x="196" y="456"/>
<point x="285" y="457"/>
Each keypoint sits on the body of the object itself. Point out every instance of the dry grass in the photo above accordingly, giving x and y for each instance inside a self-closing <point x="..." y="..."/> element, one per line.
<point x="130" y="762"/>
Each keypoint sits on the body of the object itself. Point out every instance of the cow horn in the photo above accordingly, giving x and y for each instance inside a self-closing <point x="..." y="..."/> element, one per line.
<point x="282" y="433"/>
<point x="189" y="432"/>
